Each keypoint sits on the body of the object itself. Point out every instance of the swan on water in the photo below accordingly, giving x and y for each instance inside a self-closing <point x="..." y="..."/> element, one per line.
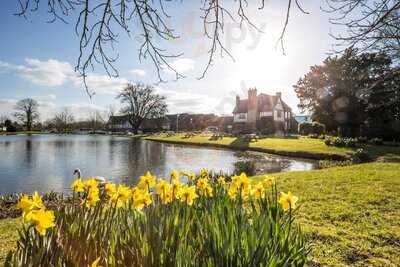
<point x="99" y="179"/>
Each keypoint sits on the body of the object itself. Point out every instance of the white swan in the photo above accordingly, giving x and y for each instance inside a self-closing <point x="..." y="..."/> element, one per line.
<point x="99" y="179"/>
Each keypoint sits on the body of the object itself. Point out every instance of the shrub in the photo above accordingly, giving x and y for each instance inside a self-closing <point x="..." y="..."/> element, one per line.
<point x="376" y="141"/>
<point x="313" y="136"/>
<point x="208" y="222"/>
<point x="360" y="156"/>
<point x="247" y="166"/>
<point x="307" y="128"/>
<point x="334" y="163"/>
<point x="362" y="139"/>
<point x="340" y="141"/>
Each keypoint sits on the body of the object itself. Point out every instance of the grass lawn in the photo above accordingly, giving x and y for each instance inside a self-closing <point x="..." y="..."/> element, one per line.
<point x="298" y="147"/>
<point x="286" y="146"/>
<point x="8" y="236"/>
<point x="352" y="214"/>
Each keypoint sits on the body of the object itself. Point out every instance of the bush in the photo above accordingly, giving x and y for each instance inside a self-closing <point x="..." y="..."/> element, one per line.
<point x="314" y="127"/>
<point x="313" y="136"/>
<point x="376" y="141"/>
<point x="334" y="163"/>
<point x="232" y="224"/>
<point x="340" y="141"/>
<point x="247" y="166"/>
<point x="361" y="156"/>
<point x="362" y="139"/>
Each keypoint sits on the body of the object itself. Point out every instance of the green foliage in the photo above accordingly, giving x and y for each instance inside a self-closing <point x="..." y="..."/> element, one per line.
<point x="247" y="166"/>
<point x="361" y="156"/>
<point x="353" y="92"/>
<point x="362" y="139"/>
<point x="214" y="231"/>
<point x="313" y="128"/>
<point x="341" y="141"/>
<point x="334" y="163"/>
<point x="376" y="141"/>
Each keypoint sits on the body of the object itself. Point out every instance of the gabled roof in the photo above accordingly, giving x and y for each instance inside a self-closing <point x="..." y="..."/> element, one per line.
<point x="242" y="107"/>
<point x="120" y="119"/>
<point x="265" y="103"/>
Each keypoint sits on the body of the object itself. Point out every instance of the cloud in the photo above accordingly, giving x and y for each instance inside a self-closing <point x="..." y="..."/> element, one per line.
<point x="184" y="101"/>
<point x="50" y="72"/>
<point x="83" y="111"/>
<point x="181" y="65"/>
<point x="102" y="84"/>
<point x="138" y="72"/>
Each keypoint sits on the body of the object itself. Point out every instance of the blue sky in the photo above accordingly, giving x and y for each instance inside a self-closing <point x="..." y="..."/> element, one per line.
<point x="37" y="60"/>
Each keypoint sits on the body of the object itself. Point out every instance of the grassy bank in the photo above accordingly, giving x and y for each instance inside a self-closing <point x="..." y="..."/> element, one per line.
<point x="294" y="147"/>
<point x="297" y="147"/>
<point x="8" y="236"/>
<point x="22" y="132"/>
<point x="351" y="213"/>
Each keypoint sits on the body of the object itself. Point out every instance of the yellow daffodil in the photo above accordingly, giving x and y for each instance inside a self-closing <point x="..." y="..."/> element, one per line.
<point x="288" y="201"/>
<point x="202" y="183"/>
<point x="37" y="200"/>
<point x="42" y="220"/>
<point x="27" y="204"/>
<point x="268" y="181"/>
<point x="221" y="181"/>
<point x="110" y="189"/>
<point x="147" y="181"/>
<point x="95" y="263"/>
<point x="204" y="187"/>
<point x="141" y="198"/>
<point x="176" y="188"/>
<point x="164" y="191"/>
<point x="189" y="175"/>
<point x="204" y="172"/>
<point x="78" y="186"/>
<point x="258" y="191"/>
<point x="92" y="197"/>
<point x="235" y="179"/>
<point x="120" y="196"/>
<point x="188" y="194"/>
<point x="232" y="191"/>
<point x="91" y="184"/>
<point x="243" y="182"/>
<point x="174" y="175"/>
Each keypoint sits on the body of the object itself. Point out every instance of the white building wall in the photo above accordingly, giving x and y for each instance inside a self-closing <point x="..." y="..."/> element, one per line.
<point x="266" y="114"/>
<point x="240" y="117"/>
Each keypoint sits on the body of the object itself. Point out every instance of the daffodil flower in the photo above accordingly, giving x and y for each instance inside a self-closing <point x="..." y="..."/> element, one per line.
<point x="288" y="201"/>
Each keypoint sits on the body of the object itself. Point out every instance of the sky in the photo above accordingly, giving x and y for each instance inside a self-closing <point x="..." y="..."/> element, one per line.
<point x="37" y="60"/>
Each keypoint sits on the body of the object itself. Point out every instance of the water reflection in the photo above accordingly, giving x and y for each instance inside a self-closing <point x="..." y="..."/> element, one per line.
<point x="46" y="162"/>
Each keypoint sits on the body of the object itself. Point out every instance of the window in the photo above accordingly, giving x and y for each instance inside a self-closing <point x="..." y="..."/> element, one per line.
<point x="242" y="116"/>
<point x="279" y="113"/>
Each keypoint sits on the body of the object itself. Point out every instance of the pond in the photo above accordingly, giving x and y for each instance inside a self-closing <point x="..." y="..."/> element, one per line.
<point x="46" y="162"/>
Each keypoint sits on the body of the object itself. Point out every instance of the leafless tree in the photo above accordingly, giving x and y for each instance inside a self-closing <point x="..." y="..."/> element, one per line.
<point x="141" y="102"/>
<point x="96" y="120"/>
<point x="3" y="118"/>
<point x="27" y="112"/>
<point x="111" y="111"/>
<point x="369" y="25"/>
<point x="99" y="23"/>
<point x="63" y="120"/>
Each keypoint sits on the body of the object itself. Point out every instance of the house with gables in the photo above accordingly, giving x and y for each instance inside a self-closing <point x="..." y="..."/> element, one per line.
<point x="261" y="112"/>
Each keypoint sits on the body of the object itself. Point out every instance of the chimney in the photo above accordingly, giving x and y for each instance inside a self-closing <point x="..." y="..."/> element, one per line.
<point x="252" y="99"/>
<point x="279" y="95"/>
<point x="237" y="100"/>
